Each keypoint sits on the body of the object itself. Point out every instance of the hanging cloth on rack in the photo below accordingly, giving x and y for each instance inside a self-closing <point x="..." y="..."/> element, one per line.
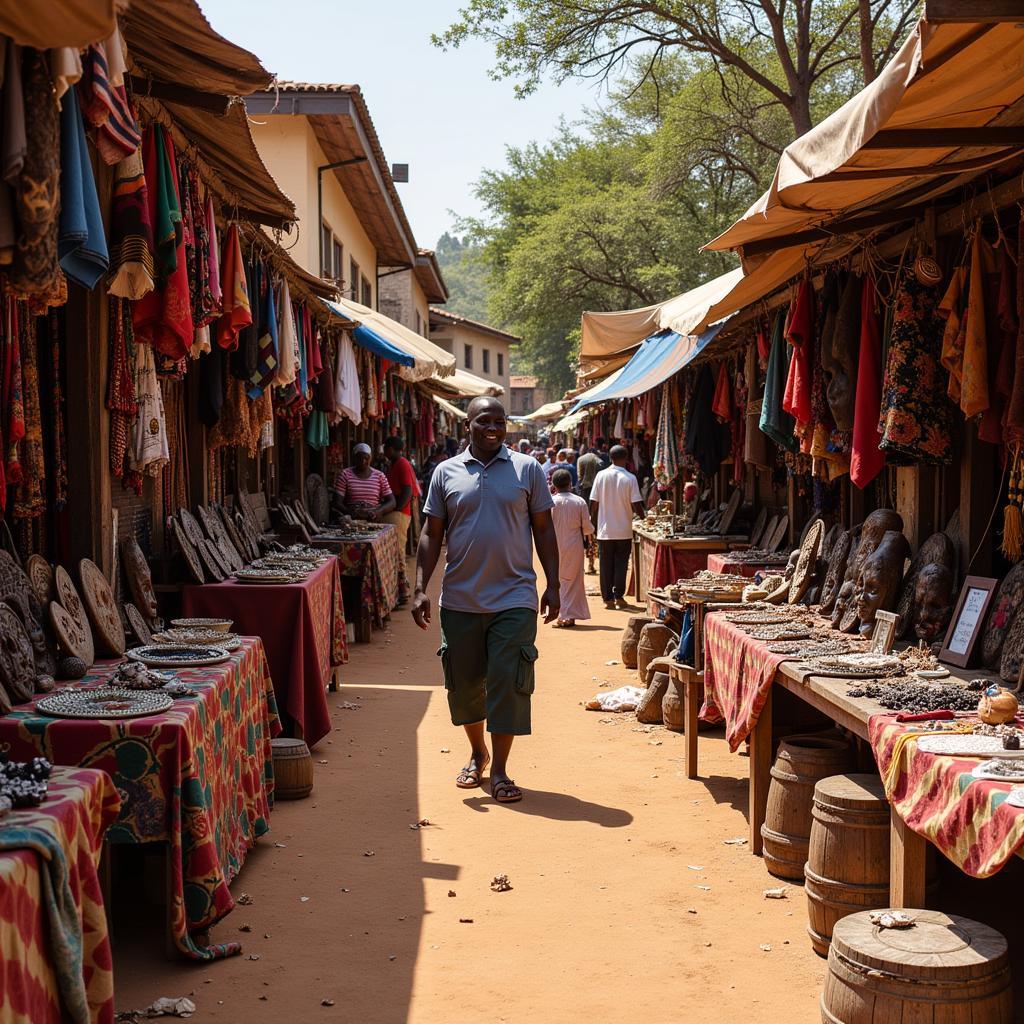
<point x="121" y="400"/>
<point x="775" y="422"/>
<point x="237" y="313"/>
<point x="150" y="452"/>
<point x="1015" y="408"/>
<point x="348" y="400"/>
<point x="796" y="399"/>
<point x="131" y="233"/>
<point x="13" y="143"/>
<point x="266" y="342"/>
<point x="105" y="104"/>
<point x="211" y="385"/>
<point x="721" y="405"/>
<point x="704" y="439"/>
<point x="13" y="403"/>
<point x="952" y="309"/>
<point x="288" y="342"/>
<point x="81" y="243"/>
<point x="665" y="464"/>
<point x="974" y="395"/>
<point x="866" y="458"/>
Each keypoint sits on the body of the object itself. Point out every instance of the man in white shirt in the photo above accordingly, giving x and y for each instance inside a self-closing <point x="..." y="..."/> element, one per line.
<point x="614" y="498"/>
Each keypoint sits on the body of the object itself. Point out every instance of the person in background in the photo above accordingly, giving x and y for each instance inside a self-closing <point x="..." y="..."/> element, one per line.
<point x="614" y="498"/>
<point x="492" y="507"/>
<point x="602" y="452"/>
<point x="575" y="534"/>
<point x="562" y="462"/>
<point x="402" y="480"/>
<point x="524" y="447"/>
<point x="587" y="467"/>
<point x="360" y="490"/>
<point x="434" y="460"/>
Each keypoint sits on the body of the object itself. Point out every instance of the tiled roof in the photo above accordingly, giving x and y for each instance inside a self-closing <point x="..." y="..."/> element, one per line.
<point x="523" y="382"/>
<point x="456" y="318"/>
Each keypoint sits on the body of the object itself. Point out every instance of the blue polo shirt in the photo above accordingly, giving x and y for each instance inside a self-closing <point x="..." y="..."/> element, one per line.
<point x="486" y="512"/>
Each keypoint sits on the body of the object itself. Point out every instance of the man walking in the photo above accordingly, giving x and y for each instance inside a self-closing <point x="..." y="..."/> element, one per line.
<point x="614" y="498"/>
<point x="402" y="480"/>
<point x="492" y="506"/>
<point x="588" y="465"/>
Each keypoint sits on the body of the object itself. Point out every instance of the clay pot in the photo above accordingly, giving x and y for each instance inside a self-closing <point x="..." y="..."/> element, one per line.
<point x="648" y="711"/>
<point x="997" y="708"/>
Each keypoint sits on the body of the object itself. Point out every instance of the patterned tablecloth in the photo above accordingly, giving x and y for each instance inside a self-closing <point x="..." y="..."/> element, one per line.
<point x="302" y="626"/>
<point x="738" y="675"/>
<point x="381" y="565"/>
<point x="80" y="805"/>
<point x="968" y="819"/>
<point x="199" y="776"/>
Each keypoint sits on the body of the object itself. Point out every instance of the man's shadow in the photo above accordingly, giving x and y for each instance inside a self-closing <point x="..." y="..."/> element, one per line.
<point x="557" y="807"/>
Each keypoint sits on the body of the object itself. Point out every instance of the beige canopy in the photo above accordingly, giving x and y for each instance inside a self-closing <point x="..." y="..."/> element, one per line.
<point x="921" y="128"/>
<point x="54" y="23"/>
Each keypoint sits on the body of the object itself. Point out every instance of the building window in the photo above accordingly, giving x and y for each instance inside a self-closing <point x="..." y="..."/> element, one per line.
<point x="469" y="357"/>
<point x="353" y="279"/>
<point x="326" y="240"/>
<point x="339" y="264"/>
<point x="367" y="293"/>
<point x="501" y="364"/>
<point x="419" y="323"/>
<point x="487" y="360"/>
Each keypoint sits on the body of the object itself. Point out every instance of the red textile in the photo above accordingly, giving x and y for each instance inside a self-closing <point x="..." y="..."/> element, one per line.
<point x="304" y="638"/>
<point x="721" y="404"/>
<point x="968" y="819"/>
<point x="764" y="346"/>
<point x="400" y="473"/>
<point x="800" y="334"/>
<point x="722" y="563"/>
<point x="237" y="314"/>
<point x="866" y="458"/>
<point x="80" y="805"/>
<point x="738" y="675"/>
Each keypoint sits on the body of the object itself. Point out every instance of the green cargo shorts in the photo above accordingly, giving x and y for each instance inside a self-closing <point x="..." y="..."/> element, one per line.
<point x="488" y="660"/>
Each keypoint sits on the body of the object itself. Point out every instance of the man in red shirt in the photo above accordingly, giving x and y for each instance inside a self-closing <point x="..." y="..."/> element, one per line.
<point x="402" y="478"/>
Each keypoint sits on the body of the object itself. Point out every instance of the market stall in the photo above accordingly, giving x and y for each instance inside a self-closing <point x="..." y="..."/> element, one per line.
<point x="197" y="777"/>
<point x="303" y="640"/>
<point x="53" y="931"/>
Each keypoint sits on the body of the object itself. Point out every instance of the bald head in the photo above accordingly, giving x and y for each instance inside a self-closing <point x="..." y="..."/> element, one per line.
<point x="487" y="427"/>
<point x="619" y="455"/>
<point x="482" y="403"/>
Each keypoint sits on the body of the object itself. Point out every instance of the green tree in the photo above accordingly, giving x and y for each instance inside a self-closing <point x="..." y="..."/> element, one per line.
<point x="466" y="274"/>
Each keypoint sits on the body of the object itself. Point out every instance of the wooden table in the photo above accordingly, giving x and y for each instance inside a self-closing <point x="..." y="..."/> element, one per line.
<point x="659" y="560"/>
<point x="908" y="849"/>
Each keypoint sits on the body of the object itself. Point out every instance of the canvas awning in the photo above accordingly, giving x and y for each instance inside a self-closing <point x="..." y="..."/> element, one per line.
<point x="658" y="358"/>
<point x="428" y="360"/>
<point x="452" y="410"/>
<point x="946" y="106"/>
<point x="546" y="413"/>
<point x="569" y="423"/>
<point x="468" y="385"/>
<point x="75" y="23"/>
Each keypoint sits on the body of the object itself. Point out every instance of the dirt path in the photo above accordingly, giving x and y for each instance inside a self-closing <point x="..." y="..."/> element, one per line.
<point x="626" y="902"/>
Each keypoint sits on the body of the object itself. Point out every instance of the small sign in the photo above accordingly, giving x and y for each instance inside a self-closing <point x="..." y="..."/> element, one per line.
<point x="968" y="619"/>
<point x="884" y="634"/>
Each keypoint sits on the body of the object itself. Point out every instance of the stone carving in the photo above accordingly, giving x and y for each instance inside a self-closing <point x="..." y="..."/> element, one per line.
<point x="936" y="550"/>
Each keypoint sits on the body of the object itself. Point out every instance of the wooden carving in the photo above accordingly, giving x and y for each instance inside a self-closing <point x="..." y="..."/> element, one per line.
<point x="836" y="571"/>
<point x="188" y="550"/>
<point x="17" y="663"/>
<point x="803" y="574"/>
<point x="40" y="575"/>
<point x="73" y="631"/>
<point x="139" y="577"/>
<point x="99" y="603"/>
<point x="17" y="591"/>
<point x="936" y="550"/>
<point x="139" y="625"/>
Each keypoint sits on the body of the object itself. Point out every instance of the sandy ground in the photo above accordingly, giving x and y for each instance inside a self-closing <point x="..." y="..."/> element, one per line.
<point x="627" y="903"/>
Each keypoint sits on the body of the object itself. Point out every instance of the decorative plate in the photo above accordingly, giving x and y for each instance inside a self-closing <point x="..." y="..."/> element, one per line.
<point x="967" y="745"/>
<point x="188" y="551"/>
<point x="1012" y="769"/>
<point x="139" y="625"/>
<point x="70" y="624"/>
<point x="40" y="574"/>
<point x="780" y="633"/>
<point x="140" y="579"/>
<point x="220" y="625"/>
<point x="17" y="663"/>
<point x="104" y="702"/>
<point x="198" y="638"/>
<point x="931" y="673"/>
<point x="807" y="561"/>
<point x="171" y="656"/>
<point x="99" y="603"/>
<point x="191" y="527"/>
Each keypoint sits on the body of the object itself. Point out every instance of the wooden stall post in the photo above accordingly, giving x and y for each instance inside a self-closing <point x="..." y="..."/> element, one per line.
<point x="760" y="773"/>
<point x="907" y="864"/>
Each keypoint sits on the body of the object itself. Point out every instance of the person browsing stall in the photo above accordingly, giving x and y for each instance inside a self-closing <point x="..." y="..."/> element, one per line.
<point x="614" y="498"/>
<point x="492" y="506"/>
<point x="575" y="534"/>
<point x="362" y="491"/>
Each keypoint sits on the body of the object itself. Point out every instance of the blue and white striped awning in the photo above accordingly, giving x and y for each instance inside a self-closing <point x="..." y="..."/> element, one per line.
<point x="659" y="357"/>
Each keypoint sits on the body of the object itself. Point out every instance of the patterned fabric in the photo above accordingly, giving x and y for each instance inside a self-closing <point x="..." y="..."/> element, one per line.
<point x="666" y="449"/>
<point x="30" y="500"/>
<point x="380" y="564"/>
<point x="57" y="959"/>
<point x="200" y="777"/>
<point x="738" y="675"/>
<point x="968" y="819"/>
<point x="303" y="638"/>
<point x="914" y="420"/>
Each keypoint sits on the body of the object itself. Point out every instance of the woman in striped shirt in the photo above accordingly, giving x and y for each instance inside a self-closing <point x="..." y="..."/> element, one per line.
<point x="362" y="491"/>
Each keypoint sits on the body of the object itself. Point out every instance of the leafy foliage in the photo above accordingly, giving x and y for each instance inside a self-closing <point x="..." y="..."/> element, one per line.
<point x="466" y="275"/>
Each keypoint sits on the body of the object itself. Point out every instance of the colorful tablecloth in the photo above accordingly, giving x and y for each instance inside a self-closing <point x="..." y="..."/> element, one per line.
<point x="738" y="676"/>
<point x="302" y="626"/>
<point x="80" y="805"/>
<point x="380" y="564"/>
<point x="968" y="819"/>
<point x="199" y="777"/>
<point x="724" y="563"/>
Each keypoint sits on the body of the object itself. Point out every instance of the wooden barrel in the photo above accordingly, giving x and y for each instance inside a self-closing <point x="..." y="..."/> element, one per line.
<point x="944" y="968"/>
<point x="799" y="764"/>
<point x="653" y="639"/>
<point x="847" y="866"/>
<point x="630" y="638"/>
<point x="293" y="769"/>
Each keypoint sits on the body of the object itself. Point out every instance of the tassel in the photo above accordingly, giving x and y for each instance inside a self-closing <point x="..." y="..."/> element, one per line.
<point x="1013" y="522"/>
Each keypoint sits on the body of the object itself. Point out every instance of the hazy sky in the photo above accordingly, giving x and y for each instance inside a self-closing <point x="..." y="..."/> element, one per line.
<point x="439" y="112"/>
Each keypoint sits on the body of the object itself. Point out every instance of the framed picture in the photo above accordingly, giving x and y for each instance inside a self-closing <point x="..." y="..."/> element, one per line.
<point x="968" y="617"/>
<point x="884" y="634"/>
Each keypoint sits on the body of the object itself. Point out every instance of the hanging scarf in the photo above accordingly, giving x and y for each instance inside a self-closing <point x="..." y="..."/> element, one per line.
<point x="775" y="423"/>
<point x="150" y="451"/>
<point x="30" y="499"/>
<point x="266" y="344"/>
<point x="237" y="312"/>
<point x="105" y="106"/>
<point x="721" y="405"/>
<point x="121" y="397"/>
<point x="131" y="233"/>
<point x="13" y="406"/>
<point x="866" y="458"/>
<point x="665" y="463"/>
<point x="55" y="419"/>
